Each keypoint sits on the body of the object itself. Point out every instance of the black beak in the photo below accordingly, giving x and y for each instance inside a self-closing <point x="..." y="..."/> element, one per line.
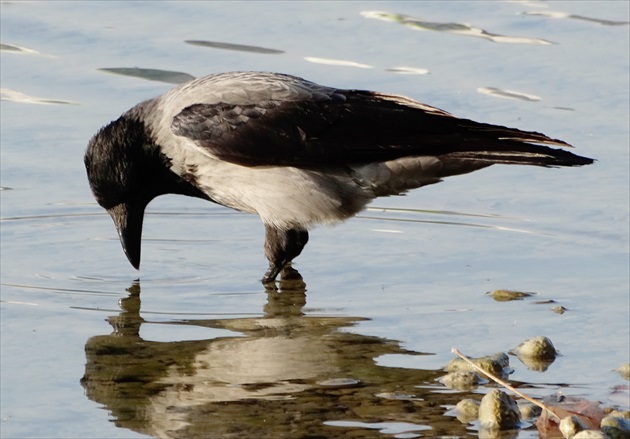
<point x="128" y="220"/>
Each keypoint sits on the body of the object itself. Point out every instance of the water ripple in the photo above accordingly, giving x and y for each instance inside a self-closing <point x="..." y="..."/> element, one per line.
<point x="235" y="47"/>
<point x="453" y="28"/>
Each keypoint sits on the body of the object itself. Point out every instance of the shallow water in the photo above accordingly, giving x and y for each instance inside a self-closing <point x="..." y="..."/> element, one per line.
<point x="204" y="350"/>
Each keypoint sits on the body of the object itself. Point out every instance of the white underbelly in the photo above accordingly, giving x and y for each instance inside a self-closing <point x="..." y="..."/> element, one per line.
<point x="288" y="197"/>
<point x="285" y="197"/>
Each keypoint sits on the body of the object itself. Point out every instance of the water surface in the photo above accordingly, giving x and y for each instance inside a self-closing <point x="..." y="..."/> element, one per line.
<point x="197" y="347"/>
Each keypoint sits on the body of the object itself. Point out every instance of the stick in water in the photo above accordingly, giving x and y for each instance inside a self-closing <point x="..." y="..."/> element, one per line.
<point x="503" y="383"/>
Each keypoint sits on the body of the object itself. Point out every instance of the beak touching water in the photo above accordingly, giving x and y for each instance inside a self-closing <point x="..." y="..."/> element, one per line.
<point x="128" y="220"/>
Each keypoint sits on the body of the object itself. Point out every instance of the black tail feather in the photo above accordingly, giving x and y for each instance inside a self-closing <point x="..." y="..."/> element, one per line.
<point x="499" y="144"/>
<point x="525" y="154"/>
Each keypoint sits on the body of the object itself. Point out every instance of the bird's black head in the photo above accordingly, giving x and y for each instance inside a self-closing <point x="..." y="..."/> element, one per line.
<point x="126" y="170"/>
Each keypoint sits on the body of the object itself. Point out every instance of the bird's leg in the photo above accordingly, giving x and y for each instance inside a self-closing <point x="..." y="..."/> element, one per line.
<point x="281" y="247"/>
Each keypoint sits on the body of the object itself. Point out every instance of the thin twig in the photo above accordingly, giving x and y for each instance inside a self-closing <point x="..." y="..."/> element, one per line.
<point x="503" y="383"/>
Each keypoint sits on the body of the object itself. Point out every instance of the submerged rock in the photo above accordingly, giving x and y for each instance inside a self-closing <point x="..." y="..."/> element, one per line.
<point x="559" y="309"/>
<point x="529" y="410"/>
<point x="497" y="364"/>
<point x="463" y="380"/>
<point x="616" y="427"/>
<point x="590" y="434"/>
<point x="498" y="411"/>
<point x="507" y="295"/>
<point x="536" y="347"/>
<point x="570" y="426"/>
<point x="624" y="371"/>
<point x="537" y="353"/>
<point x="467" y="410"/>
<point x="619" y="414"/>
<point x="339" y="383"/>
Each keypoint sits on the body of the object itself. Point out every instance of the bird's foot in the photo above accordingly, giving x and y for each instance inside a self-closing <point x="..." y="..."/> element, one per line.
<point x="270" y="275"/>
<point x="286" y="273"/>
<point x="290" y="273"/>
<point x="281" y="247"/>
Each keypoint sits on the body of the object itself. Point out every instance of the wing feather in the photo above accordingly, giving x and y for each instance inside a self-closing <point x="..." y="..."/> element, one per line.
<point x="354" y="126"/>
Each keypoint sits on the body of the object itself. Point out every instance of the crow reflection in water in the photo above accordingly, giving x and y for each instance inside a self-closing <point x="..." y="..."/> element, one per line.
<point x="283" y="374"/>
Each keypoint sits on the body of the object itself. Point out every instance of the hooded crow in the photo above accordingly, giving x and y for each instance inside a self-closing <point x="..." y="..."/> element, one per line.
<point x="296" y="153"/>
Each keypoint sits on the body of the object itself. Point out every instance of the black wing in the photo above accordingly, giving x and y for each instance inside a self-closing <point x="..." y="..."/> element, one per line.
<point x="350" y="126"/>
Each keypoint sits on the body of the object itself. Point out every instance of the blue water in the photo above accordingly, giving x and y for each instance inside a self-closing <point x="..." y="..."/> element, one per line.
<point x="209" y="352"/>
